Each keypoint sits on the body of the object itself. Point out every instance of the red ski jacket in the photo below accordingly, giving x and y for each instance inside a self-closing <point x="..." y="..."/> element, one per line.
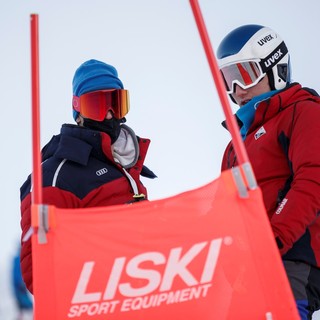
<point x="79" y="171"/>
<point x="283" y="146"/>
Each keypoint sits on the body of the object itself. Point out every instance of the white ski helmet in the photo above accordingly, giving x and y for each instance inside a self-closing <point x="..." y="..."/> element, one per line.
<point x="250" y="52"/>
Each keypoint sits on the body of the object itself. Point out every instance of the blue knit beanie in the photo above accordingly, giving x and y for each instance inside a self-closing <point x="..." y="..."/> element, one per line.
<point x="94" y="75"/>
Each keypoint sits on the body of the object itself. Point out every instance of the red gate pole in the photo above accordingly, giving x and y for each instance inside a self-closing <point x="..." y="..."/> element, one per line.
<point x="35" y="83"/>
<point x="232" y="124"/>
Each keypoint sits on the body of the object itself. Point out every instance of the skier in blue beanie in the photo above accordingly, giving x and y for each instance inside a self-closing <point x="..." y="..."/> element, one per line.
<point x="96" y="76"/>
<point x="98" y="161"/>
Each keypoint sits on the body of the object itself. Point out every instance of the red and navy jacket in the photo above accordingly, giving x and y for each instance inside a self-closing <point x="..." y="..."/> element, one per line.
<point x="79" y="171"/>
<point x="283" y="146"/>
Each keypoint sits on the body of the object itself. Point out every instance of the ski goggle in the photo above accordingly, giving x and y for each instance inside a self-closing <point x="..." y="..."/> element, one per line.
<point x="95" y="105"/>
<point x="246" y="74"/>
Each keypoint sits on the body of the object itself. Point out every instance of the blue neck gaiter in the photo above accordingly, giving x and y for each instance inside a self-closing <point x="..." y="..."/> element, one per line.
<point x="246" y="112"/>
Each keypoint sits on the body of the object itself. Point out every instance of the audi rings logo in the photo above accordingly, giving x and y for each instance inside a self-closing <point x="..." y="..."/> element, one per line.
<point x="101" y="171"/>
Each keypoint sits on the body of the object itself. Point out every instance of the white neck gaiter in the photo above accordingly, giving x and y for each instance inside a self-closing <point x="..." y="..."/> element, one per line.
<point x="125" y="150"/>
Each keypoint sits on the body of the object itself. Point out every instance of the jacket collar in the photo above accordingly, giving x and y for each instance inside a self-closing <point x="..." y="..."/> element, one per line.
<point x="281" y="100"/>
<point x="247" y="112"/>
<point x="284" y="99"/>
<point x="76" y="144"/>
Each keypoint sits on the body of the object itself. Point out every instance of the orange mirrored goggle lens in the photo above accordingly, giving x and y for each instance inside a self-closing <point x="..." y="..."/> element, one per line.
<point x="95" y="105"/>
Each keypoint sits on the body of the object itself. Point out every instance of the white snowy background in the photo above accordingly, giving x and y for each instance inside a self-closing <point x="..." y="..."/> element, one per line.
<point x="157" y="50"/>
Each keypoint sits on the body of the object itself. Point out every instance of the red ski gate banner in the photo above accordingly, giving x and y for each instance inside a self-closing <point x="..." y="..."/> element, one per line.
<point x="203" y="254"/>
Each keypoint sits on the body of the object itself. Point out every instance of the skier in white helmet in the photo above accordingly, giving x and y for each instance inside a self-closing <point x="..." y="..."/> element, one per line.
<point x="279" y="123"/>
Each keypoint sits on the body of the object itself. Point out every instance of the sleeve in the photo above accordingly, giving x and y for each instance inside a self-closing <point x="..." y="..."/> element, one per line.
<point x="228" y="158"/>
<point x="52" y="196"/>
<point x="25" y="254"/>
<point x="301" y="205"/>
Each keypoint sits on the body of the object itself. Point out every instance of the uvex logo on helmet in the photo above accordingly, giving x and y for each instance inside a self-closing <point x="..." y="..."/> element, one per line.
<point x="274" y="57"/>
<point x="265" y="40"/>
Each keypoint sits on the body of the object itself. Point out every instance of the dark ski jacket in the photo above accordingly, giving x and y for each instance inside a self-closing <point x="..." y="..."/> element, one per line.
<point x="283" y="146"/>
<point x="79" y="171"/>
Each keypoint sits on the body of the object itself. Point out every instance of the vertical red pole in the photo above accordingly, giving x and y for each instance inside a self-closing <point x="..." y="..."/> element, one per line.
<point x="230" y="119"/>
<point x="36" y="172"/>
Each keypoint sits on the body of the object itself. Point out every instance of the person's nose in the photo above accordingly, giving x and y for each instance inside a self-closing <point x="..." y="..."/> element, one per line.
<point x="239" y="92"/>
